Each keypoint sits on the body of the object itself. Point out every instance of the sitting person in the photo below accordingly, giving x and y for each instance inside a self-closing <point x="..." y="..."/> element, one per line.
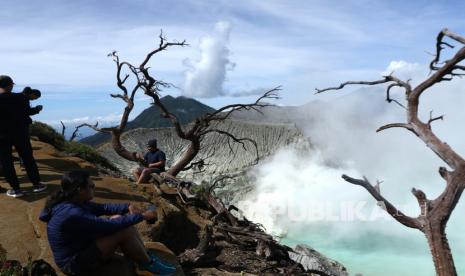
<point x="153" y="162"/>
<point x="81" y="240"/>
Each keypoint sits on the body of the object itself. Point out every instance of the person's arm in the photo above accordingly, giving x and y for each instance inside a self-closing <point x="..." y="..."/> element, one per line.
<point x="146" y="162"/>
<point x="108" y="208"/>
<point x="158" y="164"/>
<point x="35" y="110"/>
<point x="95" y="226"/>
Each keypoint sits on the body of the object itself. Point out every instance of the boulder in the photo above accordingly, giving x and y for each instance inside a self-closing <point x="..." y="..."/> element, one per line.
<point x="311" y="260"/>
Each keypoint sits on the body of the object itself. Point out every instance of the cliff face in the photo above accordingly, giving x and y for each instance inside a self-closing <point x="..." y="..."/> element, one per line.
<point x="216" y="148"/>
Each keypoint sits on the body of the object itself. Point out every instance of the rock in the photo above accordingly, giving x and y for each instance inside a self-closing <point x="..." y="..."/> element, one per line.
<point x="311" y="260"/>
<point x="116" y="265"/>
<point x="217" y="272"/>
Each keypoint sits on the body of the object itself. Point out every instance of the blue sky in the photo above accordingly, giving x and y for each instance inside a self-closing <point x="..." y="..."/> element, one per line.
<point x="60" y="47"/>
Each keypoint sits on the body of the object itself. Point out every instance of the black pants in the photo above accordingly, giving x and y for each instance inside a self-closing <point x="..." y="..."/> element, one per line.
<point x="22" y="142"/>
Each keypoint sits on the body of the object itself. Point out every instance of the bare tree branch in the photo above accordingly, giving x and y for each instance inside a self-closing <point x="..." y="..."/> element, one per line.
<point x="225" y="111"/>
<point x="423" y="202"/>
<point x="431" y="119"/>
<point x="393" y="211"/>
<point x="402" y="125"/>
<point x="342" y="85"/>
<point x="388" y="96"/>
<point x="76" y="130"/>
<point x="63" y="128"/>
<point x="217" y="181"/>
<point x="237" y="140"/>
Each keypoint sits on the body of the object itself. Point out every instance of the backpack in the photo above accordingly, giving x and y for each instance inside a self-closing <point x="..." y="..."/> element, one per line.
<point x="42" y="268"/>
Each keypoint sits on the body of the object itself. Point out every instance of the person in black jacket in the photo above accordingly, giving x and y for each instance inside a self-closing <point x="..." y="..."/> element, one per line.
<point x="31" y="95"/>
<point x="14" y="131"/>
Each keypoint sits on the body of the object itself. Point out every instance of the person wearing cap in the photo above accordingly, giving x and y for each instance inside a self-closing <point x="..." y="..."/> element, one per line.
<point x="32" y="95"/>
<point x="154" y="162"/>
<point x="14" y="131"/>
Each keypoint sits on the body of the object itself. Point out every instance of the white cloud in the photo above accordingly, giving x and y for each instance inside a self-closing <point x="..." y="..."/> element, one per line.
<point x="106" y="120"/>
<point x="405" y="70"/>
<point x="247" y="93"/>
<point x="206" y="76"/>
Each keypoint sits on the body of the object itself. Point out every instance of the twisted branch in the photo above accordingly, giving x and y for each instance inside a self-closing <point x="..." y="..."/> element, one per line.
<point x="390" y="208"/>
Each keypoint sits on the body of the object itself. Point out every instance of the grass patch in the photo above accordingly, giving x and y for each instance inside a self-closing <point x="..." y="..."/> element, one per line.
<point x="87" y="153"/>
<point x="47" y="134"/>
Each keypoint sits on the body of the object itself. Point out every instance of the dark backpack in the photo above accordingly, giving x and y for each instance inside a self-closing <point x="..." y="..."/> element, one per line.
<point x="42" y="268"/>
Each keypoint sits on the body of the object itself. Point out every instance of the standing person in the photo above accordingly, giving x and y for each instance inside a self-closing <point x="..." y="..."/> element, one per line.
<point x="14" y="131"/>
<point x="81" y="239"/>
<point x="31" y="95"/>
<point x="154" y="162"/>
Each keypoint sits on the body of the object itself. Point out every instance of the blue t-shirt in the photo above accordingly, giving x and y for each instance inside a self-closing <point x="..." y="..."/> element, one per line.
<point x="154" y="157"/>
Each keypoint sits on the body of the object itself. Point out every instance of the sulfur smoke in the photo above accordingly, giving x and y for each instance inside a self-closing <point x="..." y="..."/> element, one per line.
<point x="302" y="198"/>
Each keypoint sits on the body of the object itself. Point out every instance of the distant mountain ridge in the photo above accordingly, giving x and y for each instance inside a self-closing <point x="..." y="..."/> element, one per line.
<point x="185" y="109"/>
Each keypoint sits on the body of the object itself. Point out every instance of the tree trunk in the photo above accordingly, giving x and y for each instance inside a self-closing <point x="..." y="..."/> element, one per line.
<point x="440" y="250"/>
<point x="188" y="156"/>
<point x="119" y="148"/>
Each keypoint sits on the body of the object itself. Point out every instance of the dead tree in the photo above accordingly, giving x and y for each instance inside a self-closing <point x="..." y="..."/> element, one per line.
<point x="435" y="213"/>
<point x="143" y="80"/>
<point x="75" y="133"/>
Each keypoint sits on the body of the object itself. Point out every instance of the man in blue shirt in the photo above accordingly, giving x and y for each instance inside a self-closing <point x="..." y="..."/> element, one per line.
<point x="154" y="162"/>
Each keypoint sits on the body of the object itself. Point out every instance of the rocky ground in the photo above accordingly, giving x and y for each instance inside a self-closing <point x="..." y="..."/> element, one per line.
<point x="202" y="235"/>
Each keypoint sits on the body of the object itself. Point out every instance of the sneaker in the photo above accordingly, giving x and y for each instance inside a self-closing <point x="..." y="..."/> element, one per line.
<point x="14" y="193"/>
<point x="39" y="188"/>
<point x="156" y="267"/>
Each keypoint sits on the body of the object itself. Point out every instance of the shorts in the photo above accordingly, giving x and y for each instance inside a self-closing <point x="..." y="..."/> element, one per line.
<point x="152" y="170"/>
<point x="84" y="261"/>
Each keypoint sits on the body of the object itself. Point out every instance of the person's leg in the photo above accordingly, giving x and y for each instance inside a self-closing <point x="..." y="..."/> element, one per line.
<point x="23" y="145"/>
<point x="145" y="176"/>
<point x="136" y="173"/>
<point x="129" y="241"/>
<point x="137" y="233"/>
<point x="6" y="158"/>
<point x="132" y="246"/>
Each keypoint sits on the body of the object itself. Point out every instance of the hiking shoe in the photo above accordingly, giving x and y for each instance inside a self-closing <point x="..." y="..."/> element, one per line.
<point x="156" y="267"/>
<point x="39" y="188"/>
<point x="14" y="193"/>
